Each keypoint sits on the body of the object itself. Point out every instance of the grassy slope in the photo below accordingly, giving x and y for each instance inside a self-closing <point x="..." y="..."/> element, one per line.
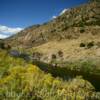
<point x="78" y="25"/>
<point x="65" y="26"/>
<point x="19" y="80"/>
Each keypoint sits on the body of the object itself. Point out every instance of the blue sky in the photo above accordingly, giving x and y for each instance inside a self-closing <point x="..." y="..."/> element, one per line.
<point x="23" y="13"/>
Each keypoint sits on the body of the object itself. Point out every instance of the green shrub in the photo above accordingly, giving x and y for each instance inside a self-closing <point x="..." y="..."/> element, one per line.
<point x="60" y="53"/>
<point x="2" y="45"/>
<point x="54" y="56"/>
<point x="30" y="83"/>
<point x="5" y="46"/>
<point x="98" y="44"/>
<point x="82" y="44"/>
<point x="87" y="66"/>
<point x="90" y="44"/>
<point x="82" y="30"/>
<point x="22" y="81"/>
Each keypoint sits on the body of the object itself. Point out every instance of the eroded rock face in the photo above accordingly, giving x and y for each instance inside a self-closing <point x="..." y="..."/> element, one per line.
<point x="14" y="53"/>
<point x="23" y="55"/>
<point x="63" y="27"/>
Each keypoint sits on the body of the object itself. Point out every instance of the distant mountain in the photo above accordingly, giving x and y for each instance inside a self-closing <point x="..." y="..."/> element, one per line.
<point x="67" y="26"/>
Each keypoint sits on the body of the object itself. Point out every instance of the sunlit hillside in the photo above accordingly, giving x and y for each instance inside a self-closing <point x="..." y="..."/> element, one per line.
<point x="57" y="60"/>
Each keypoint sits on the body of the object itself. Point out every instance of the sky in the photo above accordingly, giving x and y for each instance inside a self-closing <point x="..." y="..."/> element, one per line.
<point x="15" y="15"/>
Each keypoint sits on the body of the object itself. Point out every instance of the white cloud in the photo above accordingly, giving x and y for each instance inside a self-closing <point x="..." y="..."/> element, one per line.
<point x="54" y="17"/>
<point x="3" y="36"/>
<point x="63" y="11"/>
<point x="8" y="31"/>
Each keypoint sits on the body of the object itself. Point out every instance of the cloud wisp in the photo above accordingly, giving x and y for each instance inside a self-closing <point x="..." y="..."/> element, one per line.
<point x="54" y="17"/>
<point x="8" y="31"/>
<point x="61" y="13"/>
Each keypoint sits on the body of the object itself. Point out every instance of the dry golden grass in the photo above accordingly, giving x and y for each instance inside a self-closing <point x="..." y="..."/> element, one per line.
<point x="71" y="48"/>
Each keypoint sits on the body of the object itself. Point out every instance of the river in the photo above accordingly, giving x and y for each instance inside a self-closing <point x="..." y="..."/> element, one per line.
<point x="67" y="74"/>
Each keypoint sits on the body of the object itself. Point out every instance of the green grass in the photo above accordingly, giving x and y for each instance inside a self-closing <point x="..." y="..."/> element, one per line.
<point x="22" y="81"/>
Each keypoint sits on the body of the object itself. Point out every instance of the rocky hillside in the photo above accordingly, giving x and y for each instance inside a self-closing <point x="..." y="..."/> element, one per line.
<point x="74" y="22"/>
<point x="75" y="34"/>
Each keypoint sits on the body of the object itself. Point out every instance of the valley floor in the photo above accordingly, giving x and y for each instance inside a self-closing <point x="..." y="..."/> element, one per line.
<point x="20" y="80"/>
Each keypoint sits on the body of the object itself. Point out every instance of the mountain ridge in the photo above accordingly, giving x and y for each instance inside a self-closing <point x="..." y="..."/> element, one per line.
<point x="76" y="33"/>
<point x="73" y="19"/>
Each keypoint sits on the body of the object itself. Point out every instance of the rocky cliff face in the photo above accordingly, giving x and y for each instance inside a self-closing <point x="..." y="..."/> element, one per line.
<point x="76" y="33"/>
<point x="67" y="26"/>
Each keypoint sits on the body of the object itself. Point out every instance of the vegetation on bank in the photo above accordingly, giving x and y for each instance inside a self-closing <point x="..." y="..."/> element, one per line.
<point x="22" y="81"/>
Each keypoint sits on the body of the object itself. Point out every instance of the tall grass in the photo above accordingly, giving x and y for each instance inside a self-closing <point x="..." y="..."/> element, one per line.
<point x="22" y="81"/>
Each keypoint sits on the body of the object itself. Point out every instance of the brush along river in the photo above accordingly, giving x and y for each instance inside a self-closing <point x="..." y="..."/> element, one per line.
<point x="67" y="74"/>
<point x="64" y="72"/>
